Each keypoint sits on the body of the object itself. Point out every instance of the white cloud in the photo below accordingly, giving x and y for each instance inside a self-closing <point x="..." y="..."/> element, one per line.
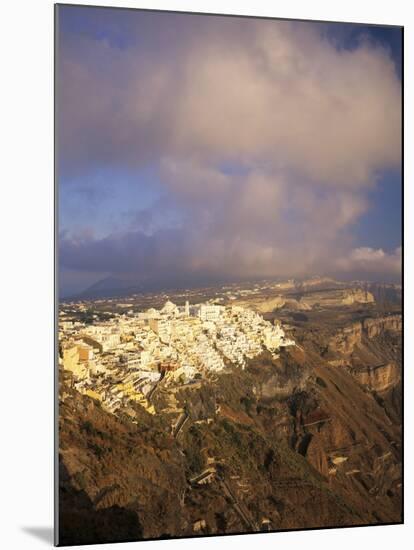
<point x="371" y="260"/>
<point x="283" y="95"/>
<point x="255" y="92"/>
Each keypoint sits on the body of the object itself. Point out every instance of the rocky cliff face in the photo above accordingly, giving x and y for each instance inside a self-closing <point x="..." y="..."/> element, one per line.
<point x="337" y="298"/>
<point x="376" y="327"/>
<point x="371" y="351"/>
<point x="264" y="305"/>
<point x="305" y="298"/>
<point x="281" y="377"/>
<point x="378" y="378"/>
<point x="345" y="340"/>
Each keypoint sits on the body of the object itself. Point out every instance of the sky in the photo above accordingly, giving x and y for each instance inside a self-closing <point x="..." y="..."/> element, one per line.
<point x="194" y="149"/>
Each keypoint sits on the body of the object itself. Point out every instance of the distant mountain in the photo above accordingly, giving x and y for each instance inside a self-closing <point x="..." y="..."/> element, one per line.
<point x="111" y="286"/>
<point x="118" y="287"/>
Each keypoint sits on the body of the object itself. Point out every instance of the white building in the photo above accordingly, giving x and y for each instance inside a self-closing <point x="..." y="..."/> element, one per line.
<point x="210" y="312"/>
<point x="161" y="327"/>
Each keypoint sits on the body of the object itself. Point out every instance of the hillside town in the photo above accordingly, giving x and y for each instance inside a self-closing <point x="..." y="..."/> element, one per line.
<point x="121" y="360"/>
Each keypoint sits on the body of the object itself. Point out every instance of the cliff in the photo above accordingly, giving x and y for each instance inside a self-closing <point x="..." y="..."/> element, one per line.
<point x="345" y="339"/>
<point x="378" y="378"/>
<point x="337" y="298"/>
<point x="371" y="351"/>
<point x="305" y="299"/>
<point x="376" y="327"/>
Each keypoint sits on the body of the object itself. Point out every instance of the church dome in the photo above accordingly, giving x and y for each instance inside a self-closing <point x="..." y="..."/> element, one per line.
<point x="169" y="307"/>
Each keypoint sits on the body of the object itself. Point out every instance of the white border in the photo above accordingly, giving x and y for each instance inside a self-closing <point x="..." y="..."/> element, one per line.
<point x="26" y="218"/>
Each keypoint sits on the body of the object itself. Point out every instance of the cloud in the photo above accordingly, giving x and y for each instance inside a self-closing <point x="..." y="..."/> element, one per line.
<point x="254" y="226"/>
<point x="255" y="91"/>
<point x="365" y="260"/>
<point x="307" y="125"/>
